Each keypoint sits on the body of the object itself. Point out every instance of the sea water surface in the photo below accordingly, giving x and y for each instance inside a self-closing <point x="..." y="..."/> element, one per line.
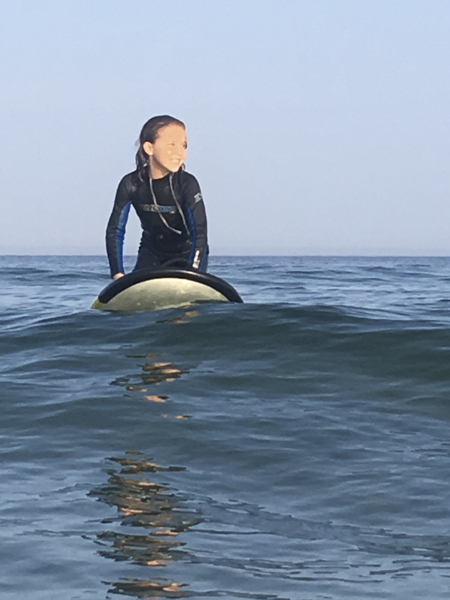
<point x="296" y="446"/>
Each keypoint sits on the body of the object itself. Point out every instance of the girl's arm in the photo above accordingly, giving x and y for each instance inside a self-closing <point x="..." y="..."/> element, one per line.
<point x="115" y="231"/>
<point x="196" y="217"/>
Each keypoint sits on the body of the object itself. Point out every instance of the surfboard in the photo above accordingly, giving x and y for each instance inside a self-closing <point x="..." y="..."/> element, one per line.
<point x="148" y="289"/>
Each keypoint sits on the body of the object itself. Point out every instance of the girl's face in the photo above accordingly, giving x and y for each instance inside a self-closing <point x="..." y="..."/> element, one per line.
<point x="168" y="152"/>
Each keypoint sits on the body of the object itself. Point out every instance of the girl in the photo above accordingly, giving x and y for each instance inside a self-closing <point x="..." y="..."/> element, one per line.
<point x="167" y="201"/>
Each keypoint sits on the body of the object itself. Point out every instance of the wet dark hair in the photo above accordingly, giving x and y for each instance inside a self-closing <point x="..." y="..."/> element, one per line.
<point x="149" y="133"/>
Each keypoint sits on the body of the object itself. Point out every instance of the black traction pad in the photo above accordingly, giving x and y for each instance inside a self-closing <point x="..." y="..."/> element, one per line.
<point x="125" y="282"/>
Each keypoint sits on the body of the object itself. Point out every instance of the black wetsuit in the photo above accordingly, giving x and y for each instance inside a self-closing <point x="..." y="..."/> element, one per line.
<point x="173" y="220"/>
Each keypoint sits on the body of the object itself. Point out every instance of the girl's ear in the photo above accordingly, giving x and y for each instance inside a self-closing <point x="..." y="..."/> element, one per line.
<point x="148" y="148"/>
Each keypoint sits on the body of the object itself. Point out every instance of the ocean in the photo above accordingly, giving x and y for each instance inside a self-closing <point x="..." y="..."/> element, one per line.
<point x="292" y="447"/>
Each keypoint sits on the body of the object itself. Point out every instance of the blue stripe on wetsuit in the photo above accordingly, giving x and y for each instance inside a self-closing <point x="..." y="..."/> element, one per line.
<point x="120" y="235"/>
<point x="204" y="257"/>
<point x="191" y="223"/>
<point x="193" y="231"/>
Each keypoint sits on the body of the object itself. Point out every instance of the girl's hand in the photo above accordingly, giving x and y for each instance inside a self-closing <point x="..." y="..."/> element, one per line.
<point x="118" y="275"/>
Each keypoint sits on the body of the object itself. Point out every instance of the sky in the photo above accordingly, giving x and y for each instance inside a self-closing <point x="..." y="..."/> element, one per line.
<point x="315" y="127"/>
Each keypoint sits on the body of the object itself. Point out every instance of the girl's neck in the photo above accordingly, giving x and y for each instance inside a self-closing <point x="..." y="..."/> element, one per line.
<point x="157" y="172"/>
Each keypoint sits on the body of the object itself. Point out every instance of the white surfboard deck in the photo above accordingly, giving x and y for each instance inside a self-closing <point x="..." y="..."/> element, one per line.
<point x="156" y="294"/>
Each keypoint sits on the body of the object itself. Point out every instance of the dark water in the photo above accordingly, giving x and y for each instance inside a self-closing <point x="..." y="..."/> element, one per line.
<point x="294" y="447"/>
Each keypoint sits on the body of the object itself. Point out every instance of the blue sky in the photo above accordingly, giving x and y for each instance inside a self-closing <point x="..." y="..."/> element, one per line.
<point x="314" y="126"/>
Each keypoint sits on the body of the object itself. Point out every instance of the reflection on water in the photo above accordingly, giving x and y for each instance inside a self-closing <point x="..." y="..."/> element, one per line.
<point x="189" y="314"/>
<point x="147" y="505"/>
<point x="160" y="517"/>
<point x="153" y="373"/>
<point x="144" y="588"/>
<point x="156" y="372"/>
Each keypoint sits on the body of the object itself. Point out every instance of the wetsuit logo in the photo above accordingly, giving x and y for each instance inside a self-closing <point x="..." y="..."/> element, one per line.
<point x="159" y="208"/>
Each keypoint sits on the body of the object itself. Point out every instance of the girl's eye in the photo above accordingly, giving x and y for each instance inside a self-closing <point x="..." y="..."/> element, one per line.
<point x="173" y="144"/>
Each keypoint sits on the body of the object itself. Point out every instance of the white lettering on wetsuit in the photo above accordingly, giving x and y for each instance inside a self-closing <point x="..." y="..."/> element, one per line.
<point x="196" y="261"/>
<point x="159" y="208"/>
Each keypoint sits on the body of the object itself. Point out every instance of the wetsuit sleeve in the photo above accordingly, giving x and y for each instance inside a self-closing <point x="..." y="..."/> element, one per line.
<point x="115" y="231"/>
<point x="196" y="217"/>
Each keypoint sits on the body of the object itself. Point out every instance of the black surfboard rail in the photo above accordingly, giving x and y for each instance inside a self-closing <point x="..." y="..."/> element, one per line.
<point x="125" y="282"/>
